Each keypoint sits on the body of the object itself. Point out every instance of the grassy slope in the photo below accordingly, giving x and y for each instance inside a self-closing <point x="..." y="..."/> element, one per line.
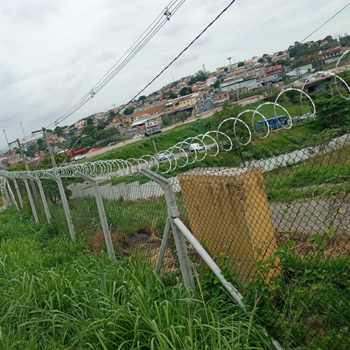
<point x="58" y="296"/>
<point x="180" y="133"/>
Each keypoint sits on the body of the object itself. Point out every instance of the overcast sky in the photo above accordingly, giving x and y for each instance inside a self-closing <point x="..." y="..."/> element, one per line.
<point x="54" y="51"/>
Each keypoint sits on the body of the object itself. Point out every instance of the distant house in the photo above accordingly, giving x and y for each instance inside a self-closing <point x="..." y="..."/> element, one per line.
<point x="273" y="70"/>
<point x="145" y="124"/>
<point x="221" y="97"/>
<point x="182" y="103"/>
<point x="148" y="111"/>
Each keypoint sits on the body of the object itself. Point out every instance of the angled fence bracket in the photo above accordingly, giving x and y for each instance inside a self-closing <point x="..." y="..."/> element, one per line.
<point x="43" y="198"/>
<point x="31" y="201"/>
<point x="65" y="205"/>
<point x="102" y="213"/>
<point x="173" y="212"/>
<point x="18" y="193"/>
<point x="13" y="199"/>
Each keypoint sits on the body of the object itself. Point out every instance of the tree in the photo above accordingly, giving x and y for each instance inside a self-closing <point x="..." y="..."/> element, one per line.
<point x="73" y="141"/>
<point x="58" y="131"/>
<point x="89" y="121"/>
<point x="261" y="60"/>
<point x="225" y="69"/>
<point x="172" y="95"/>
<point x="200" y="76"/>
<point x="111" y="116"/>
<point x="185" y="91"/>
<point x="87" y="141"/>
<point x="331" y="113"/>
<point x="141" y="98"/>
<point x="216" y="85"/>
<point x="41" y="144"/>
<point x="240" y="64"/>
<point x="129" y="110"/>
<point x="89" y="130"/>
<point x="101" y="126"/>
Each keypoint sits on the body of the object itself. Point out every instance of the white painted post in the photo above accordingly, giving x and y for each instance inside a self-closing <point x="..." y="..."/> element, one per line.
<point x="65" y="205"/>
<point x="102" y="213"/>
<point x="173" y="212"/>
<point x="43" y="198"/>
<point x="31" y="200"/>
<point x="13" y="199"/>
<point x="18" y="193"/>
<point x="163" y="245"/>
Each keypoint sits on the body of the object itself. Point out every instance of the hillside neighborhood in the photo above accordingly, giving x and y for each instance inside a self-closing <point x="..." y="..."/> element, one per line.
<point x="189" y="96"/>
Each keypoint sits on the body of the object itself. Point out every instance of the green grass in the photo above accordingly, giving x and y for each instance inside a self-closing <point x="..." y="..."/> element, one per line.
<point x="320" y="177"/>
<point x="58" y="296"/>
<point x="164" y="140"/>
<point x="180" y="133"/>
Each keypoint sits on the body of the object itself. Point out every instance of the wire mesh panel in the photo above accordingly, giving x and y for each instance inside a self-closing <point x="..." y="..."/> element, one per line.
<point x="280" y="227"/>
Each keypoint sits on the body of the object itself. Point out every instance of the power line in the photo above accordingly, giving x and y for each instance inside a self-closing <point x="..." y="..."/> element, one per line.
<point x="326" y="22"/>
<point x="142" y="40"/>
<point x="184" y="50"/>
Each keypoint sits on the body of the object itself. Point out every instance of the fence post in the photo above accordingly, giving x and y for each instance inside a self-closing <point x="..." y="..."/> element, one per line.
<point x="173" y="212"/>
<point x="18" y="193"/>
<point x="3" y="191"/>
<point x="43" y="198"/>
<point x="102" y="213"/>
<point x="13" y="199"/>
<point x="164" y="245"/>
<point x="31" y="200"/>
<point x="65" y="205"/>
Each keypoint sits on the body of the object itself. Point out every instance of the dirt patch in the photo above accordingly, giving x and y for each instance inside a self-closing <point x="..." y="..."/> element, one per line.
<point x="333" y="247"/>
<point x="98" y="244"/>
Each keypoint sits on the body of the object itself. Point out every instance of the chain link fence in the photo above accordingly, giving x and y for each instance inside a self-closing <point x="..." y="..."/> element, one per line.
<point x="275" y="226"/>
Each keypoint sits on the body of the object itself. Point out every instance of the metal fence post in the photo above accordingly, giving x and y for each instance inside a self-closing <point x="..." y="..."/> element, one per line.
<point x="31" y="201"/>
<point x="13" y="199"/>
<point x="43" y="198"/>
<point x="164" y="245"/>
<point x="102" y="213"/>
<point x="173" y="212"/>
<point x="18" y="193"/>
<point x="3" y="192"/>
<point x="65" y="205"/>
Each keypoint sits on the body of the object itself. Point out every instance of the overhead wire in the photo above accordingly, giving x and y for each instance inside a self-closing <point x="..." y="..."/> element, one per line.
<point x="324" y="23"/>
<point x="142" y="40"/>
<point x="184" y="50"/>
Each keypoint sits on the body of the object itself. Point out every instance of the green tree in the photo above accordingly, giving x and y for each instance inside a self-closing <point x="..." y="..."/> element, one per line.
<point x="89" y="130"/>
<point x="332" y="113"/>
<point x="89" y="121"/>
<point x="129" y="111"/>
<point x="41" y="144"/>
<point x="200" y="76"/>
<point x="111" y="116"/>
<point x="172" y="95"/>
<point x="185" y="91"/>
<point x="87" y="141"/>
<point x="240" y="64"/>
<point x="101" y="125"/>
<point x="58" y="131"/>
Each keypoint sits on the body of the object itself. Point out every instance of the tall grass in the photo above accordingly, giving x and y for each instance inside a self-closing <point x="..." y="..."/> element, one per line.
<point x="55" y="295"/>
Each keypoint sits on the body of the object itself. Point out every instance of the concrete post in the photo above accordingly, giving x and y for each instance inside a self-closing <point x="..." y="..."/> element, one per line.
<point x="31" y="200"/>
<point x="43" y="198"/>
<point x="164" y="245"/>
<point x="173" y="212"/>
<point x="13" y="199"/>
<point x="65" y="205"/>
<point x="18" y="193"/>
<point x="102" y="213"/>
